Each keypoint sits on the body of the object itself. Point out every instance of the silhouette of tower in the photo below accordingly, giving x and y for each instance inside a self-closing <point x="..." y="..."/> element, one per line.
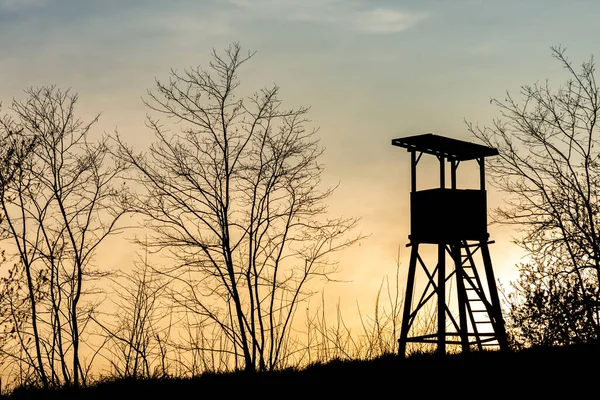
<point x="455" y="221"/>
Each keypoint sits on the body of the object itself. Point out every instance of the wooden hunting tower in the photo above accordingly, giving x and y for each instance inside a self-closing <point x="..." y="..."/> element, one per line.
<point x="454" y="220"/>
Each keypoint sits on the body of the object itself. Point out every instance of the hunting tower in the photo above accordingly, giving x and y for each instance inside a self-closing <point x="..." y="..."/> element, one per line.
<point x="455" y="221"/>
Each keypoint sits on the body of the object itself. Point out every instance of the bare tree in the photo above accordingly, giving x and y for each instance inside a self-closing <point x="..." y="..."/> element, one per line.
<point x="15" y="363"/>
<point x="139" y="336"/>
<point x="549" y="168"/>
<point x="234" y="197"/>
<point x="15" y="302"/>
<point x="58" y="206"/>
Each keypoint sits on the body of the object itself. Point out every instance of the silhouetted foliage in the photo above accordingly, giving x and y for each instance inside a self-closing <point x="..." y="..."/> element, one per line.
<point x="234" y="199"/>
<point x="549" y="165"/>
<point x="546" y="308"/>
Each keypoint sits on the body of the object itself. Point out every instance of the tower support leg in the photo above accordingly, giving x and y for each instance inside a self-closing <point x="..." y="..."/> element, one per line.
<point x="496" y="318"/>
<point x="441" y="271"/>
<point x="410" y="283"/>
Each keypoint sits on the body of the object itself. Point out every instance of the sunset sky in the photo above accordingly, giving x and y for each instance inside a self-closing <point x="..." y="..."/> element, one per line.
<point x="371" y="71"/>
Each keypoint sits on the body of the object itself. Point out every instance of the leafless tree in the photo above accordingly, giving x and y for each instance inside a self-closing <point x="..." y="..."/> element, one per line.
<point x="14" y="304"/>
<point x="139" y="336"/>
<point x="58" y="206"/>
<point x="549" y="168"/>
<point x="15" y="310"/>
<point x="234" y="197"/>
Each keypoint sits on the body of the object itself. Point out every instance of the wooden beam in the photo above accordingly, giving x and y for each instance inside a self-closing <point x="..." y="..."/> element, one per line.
<point x="442" y="172"/>
<point x="441" y="270"/>
<point x="481" y="162"/>
<point x="412" y="267"/>
<point x="413" y="171"/>
<point x="453" y="167"/>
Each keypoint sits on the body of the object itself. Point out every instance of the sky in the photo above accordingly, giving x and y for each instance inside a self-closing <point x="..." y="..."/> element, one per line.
<point x="371" y="71"/>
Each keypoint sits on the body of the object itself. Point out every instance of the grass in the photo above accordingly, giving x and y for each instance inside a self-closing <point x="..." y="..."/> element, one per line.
<point x="557" y="372"/>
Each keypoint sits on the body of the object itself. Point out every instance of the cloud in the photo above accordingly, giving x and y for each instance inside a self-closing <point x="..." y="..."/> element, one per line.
<point x="191" y="23"/>
<point x="16" y="5"/>
<point x="356" y="16"/>
<point x="386" y="21"/>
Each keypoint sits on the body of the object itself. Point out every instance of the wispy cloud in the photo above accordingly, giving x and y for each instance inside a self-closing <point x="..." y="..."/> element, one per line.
<point x="356" y="16"/>
<point x="385" y="21"/>
<point x="211" y="24"/>
<point x="15" y="5"/>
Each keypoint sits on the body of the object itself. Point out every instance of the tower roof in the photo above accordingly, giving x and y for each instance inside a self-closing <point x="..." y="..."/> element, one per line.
<point x="444" y="146"/>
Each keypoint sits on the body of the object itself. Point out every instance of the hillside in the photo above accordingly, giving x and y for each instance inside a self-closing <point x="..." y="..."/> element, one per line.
<point x="561" y="371"/>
